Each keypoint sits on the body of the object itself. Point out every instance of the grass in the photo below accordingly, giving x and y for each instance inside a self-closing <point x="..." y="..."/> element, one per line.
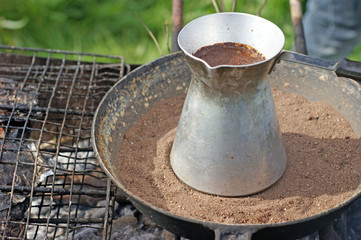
<point x="111" y="27"/>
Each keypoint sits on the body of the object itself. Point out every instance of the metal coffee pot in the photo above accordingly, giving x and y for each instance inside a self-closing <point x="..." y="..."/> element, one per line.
<point x="228" y="140"/>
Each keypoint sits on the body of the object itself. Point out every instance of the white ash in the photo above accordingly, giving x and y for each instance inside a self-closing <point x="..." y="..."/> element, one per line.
<point x="128" y="222"/>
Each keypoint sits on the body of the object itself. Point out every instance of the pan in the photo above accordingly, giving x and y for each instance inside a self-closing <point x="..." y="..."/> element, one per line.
<point x="168" y="77"/>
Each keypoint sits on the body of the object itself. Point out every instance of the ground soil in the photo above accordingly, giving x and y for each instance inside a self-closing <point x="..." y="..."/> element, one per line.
<point x="323" y="166"/>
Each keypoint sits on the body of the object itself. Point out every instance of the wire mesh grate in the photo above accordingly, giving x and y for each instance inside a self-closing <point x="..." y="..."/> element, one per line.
<point x="48" y="172"/>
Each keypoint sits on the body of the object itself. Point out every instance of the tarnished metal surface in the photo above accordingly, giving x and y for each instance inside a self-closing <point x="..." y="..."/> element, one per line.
<point x="228" y="130"/>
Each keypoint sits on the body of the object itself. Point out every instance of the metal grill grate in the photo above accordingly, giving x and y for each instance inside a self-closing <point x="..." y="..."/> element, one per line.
<point x="48" y="173"/>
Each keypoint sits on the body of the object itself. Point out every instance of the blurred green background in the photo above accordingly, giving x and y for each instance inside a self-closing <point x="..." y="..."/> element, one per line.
<point x="112" y="27"/>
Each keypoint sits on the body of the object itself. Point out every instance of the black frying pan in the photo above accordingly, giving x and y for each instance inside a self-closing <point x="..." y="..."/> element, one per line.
<point x="122" y="106"/>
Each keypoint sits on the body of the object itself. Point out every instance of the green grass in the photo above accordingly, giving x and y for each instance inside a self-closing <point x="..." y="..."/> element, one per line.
<point x="111" y="27"/>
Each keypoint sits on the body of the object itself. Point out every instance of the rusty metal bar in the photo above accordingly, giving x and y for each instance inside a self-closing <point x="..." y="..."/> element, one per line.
<point x="54" y="51"/>
<point x="62" y="191"/>
<point x="60" y="137"/>
<point x="65" y="220"/>
<point x="106" y="226"/>
<point x="77" y="138"/>
<point x="296" y="15"/>
<point x="19" y="147"/>
<point x="37" y="154"/>
<point x="44" y="109"/>
<point x="177" y="22"/>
